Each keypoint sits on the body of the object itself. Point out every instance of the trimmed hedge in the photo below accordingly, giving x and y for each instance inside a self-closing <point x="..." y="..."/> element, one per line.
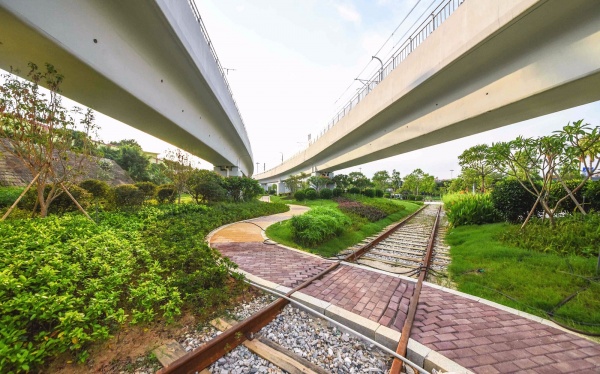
<point x="512" y="201"/>
<point x="325" y="193"/>
<point x="99" y="189"/>
<point x="128" y="195"/>
<point x="592" y="195"/>
<point x="318" y="225"/>
<point x="147" y="188"/>
<point x="337" y="192"/>
<point x="369" y="192"/>
<point x="300" y="195"/>
<point x="166" y="193"/>
<point x="311" y="194"/>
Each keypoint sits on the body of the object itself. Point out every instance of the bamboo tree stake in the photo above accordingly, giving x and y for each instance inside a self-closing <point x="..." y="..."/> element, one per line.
<point x="20" y="197"/>
<point x="76" y="203"/>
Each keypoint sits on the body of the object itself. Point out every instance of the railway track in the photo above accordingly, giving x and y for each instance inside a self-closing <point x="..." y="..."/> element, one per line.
<point x="403" y="250"/>
<point x="410" y="247"/>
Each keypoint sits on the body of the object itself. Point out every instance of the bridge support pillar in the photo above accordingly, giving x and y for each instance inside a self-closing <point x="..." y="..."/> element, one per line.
<point x="228" y="171"/>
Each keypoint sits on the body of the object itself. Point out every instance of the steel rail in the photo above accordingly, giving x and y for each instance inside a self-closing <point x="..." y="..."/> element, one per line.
<point x="205" y="355"/>
<point x="362" y="250"/>
<point x="412" y="310"/>
<point x="414" y="366"/>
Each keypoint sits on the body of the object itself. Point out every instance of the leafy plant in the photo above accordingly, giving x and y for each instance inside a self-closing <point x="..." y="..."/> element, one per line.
<point x="128" y="195"/>
<point x="511" y="200"/>
<point x="166" y="193"/>
<point x="325" y="193"/>
<point x="467" y="209"/>
<point x="299" y="195"/>
<point x="318" y="225"/>
<point x="147" y="188"/>
<point x="311" y="194"/>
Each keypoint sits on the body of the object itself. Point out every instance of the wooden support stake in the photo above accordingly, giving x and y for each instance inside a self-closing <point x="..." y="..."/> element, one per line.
<point x="20" y="197"/>
<point x="76" y="203"/>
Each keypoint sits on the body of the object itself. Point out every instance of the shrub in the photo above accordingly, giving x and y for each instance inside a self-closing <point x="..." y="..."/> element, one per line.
<point x="61" y="204"/>
<point x="354" y="190"/>
<point x="8" y="195"/>
<point x="379" y="193"/>
<point x="147" y="188"/>
<point x="300" y="195"/>
<point x="557" y="191"/>
<point x="369" y="192"/>
<point x="311" y="194"/>
<point x="463" y="209"/>
<point x="325" y="193"/>
<point x="337" y="192"/>
<point x="318" y="225"/>
<point x="512" y="201"/>
<point x="414" y="197"/>
<point x="366" y="211"/>
<point x="387" y="195"/>
<point x="127" y="195"/>
<point x="98" y="189"/>
<point x="592" y="195"/>
<point x="166" y="193"/>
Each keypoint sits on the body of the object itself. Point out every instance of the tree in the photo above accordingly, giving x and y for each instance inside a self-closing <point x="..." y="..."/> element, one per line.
<point x="419" y="181"/>
<point x="476" y="161"/>
<point x="294" y="182"/>
<point x="396" y="180"/>
<point x="179" y="169"/>
<point x="205" y="186"/>
<point x="547" y="160"/>
<point x="41" y="133"/>
<point x="242" y="188"/>
<point x="381" y="180"/>
<point x="358" y="180"/>
<point x="318" y="181"/>
<point x="341" y="181"/>
<point x="133" y="160"/>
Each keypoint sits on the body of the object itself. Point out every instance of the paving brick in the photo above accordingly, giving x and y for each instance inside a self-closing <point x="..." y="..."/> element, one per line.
<point x="507" y="367"/>
<point x="487" y="369"/>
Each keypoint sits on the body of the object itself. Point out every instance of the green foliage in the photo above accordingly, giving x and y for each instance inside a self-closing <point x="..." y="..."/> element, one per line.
<point x="557" y="192"/>
<point x="354" y="190"/>
<point x="147" y="188"/>
<point x="325" y="193"/>
<point x="206" y="186"/>
<point x="466" y="209"/>
<point x="414" y="197"/>
<point x="166" y="193"/>
<point x="537" y="282"/>
<point x="379" y="193"/>
<point x="311" y="194"/>
<point x="98" y="189"/>
<point x="63" y="203"/>
<point x="358" y="180"/>
<point x="127" y="195"/>
<point x="573" y="235"/>
<point x="242" y="188"/>
<point x="512" y="201"/>
<point x="66" y="282"/>
<point x="300" y="195"/>
<point x="8" y="195"/>
<point x="592" y="195"/>
<point x="318" y="225"/>
<point x="478" y="161"/>
<point x="381" y="179"/>
<point x="369" y="192"/>
<point x="337" y="192"/>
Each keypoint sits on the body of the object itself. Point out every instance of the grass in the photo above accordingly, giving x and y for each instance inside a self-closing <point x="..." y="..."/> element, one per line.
<point x="360" y="229"/>
<point x="531" y="281"/>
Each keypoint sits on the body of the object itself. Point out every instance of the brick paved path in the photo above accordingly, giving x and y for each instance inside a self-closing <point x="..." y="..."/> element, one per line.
<point x="477" y="336"/>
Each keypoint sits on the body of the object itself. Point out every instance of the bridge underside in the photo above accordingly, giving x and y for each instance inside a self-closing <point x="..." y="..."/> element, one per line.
<point x="148" y="66"/>
<point x="482" y="69"/>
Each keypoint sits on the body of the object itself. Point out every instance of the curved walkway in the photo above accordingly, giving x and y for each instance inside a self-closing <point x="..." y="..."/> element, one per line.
<point x="452" y="331"/>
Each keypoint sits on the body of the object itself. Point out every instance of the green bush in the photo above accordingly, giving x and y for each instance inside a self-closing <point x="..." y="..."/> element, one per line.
<point x="467" y="209"/>
<point x="369" y="192"/>
<point x="127" y="195"/>
<point x="98" y="189"/>
<point x="512" y="201"/>
<point x="387" y="195"/>
<point x="63" y="203"/>
<point x="592" y="195"/>
<point x="573" y="235"/>
<point x="166" y="193"/>
<point x="337" y="192"/>
<point x="311" y="194"/>
<point x="557" y="191"/>
<point x="318" y="225"/>
<point x="8" y="195"/>
<point x="147" y="188"/>
<point x="325" y="193"/>
<point x="414" y="197"/>
<point x="379" y="193"/>
<point x="299" y="195"/>
<point x="354" y="190"/>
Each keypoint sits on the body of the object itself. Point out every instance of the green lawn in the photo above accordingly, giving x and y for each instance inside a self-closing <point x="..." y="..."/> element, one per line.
<point x="360" y="229"/>
<point x="530" y="281"/>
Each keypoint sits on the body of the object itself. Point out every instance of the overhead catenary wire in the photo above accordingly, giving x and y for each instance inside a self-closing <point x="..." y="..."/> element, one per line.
<point x="380" y="48"/>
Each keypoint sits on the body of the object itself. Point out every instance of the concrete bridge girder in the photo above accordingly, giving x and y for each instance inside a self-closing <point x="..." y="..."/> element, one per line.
<point x="147" y="65"/>
<point x="490" y="64"/>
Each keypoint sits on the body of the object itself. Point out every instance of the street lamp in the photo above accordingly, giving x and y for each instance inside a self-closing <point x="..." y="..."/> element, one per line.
<point x="257" y="167"/>
<point x="451" y="170"/>
<point x="380" y="71"/>
<point x="281" y="157"/>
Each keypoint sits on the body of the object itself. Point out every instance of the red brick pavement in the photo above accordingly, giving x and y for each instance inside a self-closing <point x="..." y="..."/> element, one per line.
<point x="273" y="263"/>
<point x="475" y="335"/>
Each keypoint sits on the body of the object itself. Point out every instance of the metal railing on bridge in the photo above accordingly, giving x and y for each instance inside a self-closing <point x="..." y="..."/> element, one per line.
<point x="426" y="28"/>
<point x="216" y="58"/>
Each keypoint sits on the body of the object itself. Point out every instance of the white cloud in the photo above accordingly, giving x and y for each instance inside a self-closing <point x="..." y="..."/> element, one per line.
<point x="348" y="13"/>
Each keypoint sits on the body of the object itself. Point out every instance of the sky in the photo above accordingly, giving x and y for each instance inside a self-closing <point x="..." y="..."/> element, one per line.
<point x="292" y="64"/>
